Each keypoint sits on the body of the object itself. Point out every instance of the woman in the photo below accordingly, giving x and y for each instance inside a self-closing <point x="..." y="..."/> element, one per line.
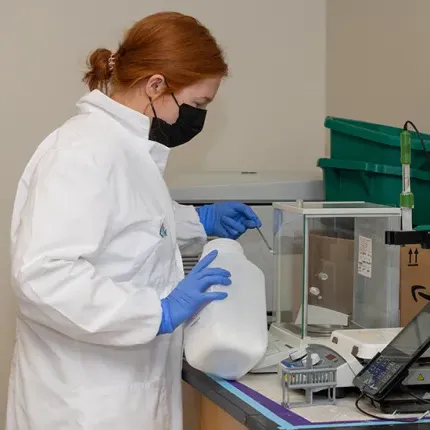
<point x="95" y="240"/>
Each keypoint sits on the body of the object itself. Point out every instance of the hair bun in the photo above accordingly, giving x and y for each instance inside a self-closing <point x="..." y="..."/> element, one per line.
<point x="99" y="73"/>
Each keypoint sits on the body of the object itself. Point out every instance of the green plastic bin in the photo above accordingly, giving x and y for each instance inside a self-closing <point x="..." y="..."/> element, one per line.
<point x="346" y="180"/>
<point x="373" y="143"/>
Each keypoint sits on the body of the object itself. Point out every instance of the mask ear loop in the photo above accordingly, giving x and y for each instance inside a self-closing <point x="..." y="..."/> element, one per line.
<point x="171" y="92"/>
<point x="174" y="98"/>
<point x="155" y="113"/>
<point x="152" y="107"/>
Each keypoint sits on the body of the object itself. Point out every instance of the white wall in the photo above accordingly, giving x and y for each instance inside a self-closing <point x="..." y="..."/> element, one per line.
<point x="268" y="116"/>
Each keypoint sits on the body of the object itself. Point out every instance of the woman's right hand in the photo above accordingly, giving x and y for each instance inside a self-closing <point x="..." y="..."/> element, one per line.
<point x="191" y="293"/>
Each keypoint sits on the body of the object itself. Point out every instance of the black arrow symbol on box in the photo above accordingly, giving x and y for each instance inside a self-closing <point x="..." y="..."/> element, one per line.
<point x="415" y="292"/>
<point x="411" y="253"/>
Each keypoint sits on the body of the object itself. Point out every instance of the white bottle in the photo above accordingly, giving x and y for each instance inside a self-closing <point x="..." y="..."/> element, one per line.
<point x="229" y="337"/>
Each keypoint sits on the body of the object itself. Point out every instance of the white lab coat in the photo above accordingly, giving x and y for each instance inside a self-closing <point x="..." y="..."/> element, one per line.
<point x="95" y="240"/>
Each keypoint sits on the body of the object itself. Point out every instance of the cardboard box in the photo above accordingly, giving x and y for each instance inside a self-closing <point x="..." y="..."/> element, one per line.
<point x="414" y="281"/>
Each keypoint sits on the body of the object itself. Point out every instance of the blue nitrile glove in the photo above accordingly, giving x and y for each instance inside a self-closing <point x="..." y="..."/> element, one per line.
<point x="190" y="294"/>
<point x="227" y="219"/>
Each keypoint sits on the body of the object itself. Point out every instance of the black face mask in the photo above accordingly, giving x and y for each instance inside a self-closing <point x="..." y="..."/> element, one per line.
<point x="188" y="125"/>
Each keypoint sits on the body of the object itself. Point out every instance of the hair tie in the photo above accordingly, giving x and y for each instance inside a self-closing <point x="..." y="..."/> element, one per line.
<point x="111" y="62"/>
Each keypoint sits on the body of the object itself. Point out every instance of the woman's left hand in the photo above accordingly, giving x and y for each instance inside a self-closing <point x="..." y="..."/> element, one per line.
<point x="228" y="219"/>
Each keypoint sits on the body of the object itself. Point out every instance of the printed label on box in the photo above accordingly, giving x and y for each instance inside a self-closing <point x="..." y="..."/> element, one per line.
<point x="365" y="256"/>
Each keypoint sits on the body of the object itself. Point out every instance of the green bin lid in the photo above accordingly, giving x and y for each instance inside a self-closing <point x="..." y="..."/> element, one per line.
<point x="331" y="163"/>
<point x="374" y="132"/>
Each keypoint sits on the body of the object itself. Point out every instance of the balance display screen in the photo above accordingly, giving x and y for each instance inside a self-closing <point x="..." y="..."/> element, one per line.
<point x="414" y="335"/>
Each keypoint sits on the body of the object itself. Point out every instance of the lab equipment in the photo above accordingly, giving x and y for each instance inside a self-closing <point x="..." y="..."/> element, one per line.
<point x="227" y="219"/>
<point x="338" y="256"/>
<point x="365" y="344"/>
<point x="264" y="239"/>
<point x="256" y="189"/>
<point x="389" y="368"/>
<point x="351" y="349"/>
<point x="409" y="401"/>
<point x="334" y="272"/>
<point x="275" y="353"/>
<point x="229" y="337"/>
<point x="416" y="237"/>
<point x="299" y="373"/>
<point x="192" y="293"/>
<point x="327" y="355"/>
<point x="339" y="249"/>
<point x="406" y="197"/>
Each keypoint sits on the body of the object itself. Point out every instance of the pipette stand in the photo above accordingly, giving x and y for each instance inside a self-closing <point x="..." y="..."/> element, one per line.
<point x="310" y="379"/>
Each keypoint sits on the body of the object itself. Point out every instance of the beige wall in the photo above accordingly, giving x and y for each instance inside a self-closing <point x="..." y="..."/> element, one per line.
<point x="269" y="112"/>
<point x="378" y="62"/>
<point x="268" y="115"/>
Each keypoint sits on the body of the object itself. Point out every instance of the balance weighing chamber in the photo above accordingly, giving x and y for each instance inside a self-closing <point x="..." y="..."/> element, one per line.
<point x="333" y="273"/>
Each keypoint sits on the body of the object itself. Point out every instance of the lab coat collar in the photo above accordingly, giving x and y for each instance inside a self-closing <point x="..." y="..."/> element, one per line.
<point x="134" y="121"/>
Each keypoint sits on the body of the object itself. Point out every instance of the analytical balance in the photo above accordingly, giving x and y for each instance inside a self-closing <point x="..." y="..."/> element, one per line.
<point x="337" y="285"/>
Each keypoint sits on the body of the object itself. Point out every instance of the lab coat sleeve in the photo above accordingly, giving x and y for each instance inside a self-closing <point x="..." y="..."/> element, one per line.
<point x="64" y="224"/>
<point x="190" y="232"/>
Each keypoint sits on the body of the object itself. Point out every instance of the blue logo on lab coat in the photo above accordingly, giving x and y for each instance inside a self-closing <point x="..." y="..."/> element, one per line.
<point x="163" y="230"/>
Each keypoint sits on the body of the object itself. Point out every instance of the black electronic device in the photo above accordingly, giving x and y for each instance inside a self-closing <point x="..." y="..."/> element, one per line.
<point x="390" y="367"/>
<point x="410" y="401"/>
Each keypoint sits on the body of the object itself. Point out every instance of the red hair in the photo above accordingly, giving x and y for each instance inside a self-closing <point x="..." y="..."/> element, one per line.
<point x="168" y="43"/>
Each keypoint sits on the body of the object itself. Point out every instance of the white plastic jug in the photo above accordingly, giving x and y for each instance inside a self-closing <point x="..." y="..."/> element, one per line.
<point x="229" y="337"/>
